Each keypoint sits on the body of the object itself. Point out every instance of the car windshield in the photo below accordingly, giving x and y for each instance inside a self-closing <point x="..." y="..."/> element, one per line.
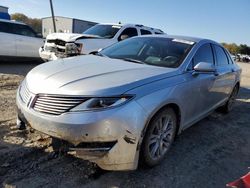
<point x="105" y="31"/>
<point x="157" y="51"/>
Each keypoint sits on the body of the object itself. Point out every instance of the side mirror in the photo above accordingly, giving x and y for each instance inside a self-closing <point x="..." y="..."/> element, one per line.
<point x="204" y="67"/>
<point x="123" y="37"/>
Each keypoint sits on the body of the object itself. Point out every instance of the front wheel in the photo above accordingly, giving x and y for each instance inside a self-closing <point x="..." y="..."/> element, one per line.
<point x="59" y="146"/>
<point x="159" y="137"/>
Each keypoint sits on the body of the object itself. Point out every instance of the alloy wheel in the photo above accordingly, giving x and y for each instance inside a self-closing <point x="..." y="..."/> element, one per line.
<point x="161" y="136"/>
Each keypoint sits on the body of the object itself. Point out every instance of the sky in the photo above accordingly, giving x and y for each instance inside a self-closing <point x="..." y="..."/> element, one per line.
<point x="219" y="20"/>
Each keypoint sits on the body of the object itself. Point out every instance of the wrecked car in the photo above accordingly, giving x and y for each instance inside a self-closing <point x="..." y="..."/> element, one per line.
<point x="130" y="100"/>
<point x="61" y="45"/>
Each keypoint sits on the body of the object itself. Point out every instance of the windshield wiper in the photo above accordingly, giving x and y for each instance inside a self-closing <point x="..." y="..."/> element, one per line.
<point x="133" y="60"/>
<point x="98" y="54"/>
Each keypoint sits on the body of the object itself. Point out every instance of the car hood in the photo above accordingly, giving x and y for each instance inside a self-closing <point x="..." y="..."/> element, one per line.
<point x="69" y="37"/>
<point x="92" y="75"/>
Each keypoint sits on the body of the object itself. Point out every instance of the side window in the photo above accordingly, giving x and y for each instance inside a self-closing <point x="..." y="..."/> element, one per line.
<point x="229" y="57"/>
<point x="203" y="54"/>
<point x="145" y="32"/>
<point x="127" y="33"/>
<point x="220" y="56"/>
<point x="5" y="27"/>
<point x="23" y="30"/>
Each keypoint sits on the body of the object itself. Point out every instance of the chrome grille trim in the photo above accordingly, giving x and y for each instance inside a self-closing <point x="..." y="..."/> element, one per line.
<point x="56" y="105"/>
<point x="24" y="93"/>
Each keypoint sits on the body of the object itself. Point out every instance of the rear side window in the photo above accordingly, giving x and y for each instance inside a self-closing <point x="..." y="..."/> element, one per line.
<point x="5" y="27"/>
<point x="221" y="57"/>
<point x="131" y="32"/>
<point x="23" y="30"/>
<point x="145" y="32"/>
<point x="229" y="57"/>
<point x="203" y="54"/>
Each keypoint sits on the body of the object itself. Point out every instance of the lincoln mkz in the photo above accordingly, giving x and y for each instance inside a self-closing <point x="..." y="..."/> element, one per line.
<point x="127" y="102"/>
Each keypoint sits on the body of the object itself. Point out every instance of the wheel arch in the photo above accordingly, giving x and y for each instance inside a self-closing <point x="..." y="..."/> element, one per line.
<point x="172" y="105"/>
<point x="176" y="109"/>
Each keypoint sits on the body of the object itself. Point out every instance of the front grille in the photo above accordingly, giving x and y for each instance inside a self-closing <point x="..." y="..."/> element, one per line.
<point x="56" y="105"/>
<point x="24" y="93"/>
<point x="57" y="42"/>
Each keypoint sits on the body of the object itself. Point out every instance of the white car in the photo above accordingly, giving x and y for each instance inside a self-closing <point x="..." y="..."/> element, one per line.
<point x="18" y="40"/>
<point x="60" y="45"/>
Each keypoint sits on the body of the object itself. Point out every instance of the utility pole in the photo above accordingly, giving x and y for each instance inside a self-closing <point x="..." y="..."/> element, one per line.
<point x="53" y="17"/>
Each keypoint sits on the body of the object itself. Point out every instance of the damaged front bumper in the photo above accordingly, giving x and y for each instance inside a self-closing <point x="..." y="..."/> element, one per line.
<point x="48" y="55"/>
<point x="50" y="52"/>
<point x="88" y="133"/>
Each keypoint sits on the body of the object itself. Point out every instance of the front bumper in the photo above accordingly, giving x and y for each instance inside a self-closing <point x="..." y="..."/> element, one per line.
<point x="46" y="55"/>
<point x="122" y="125"/>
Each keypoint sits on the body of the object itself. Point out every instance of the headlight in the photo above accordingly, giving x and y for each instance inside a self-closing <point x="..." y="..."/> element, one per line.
<point x="101" y="103"/>
<point x="73" y="48"/>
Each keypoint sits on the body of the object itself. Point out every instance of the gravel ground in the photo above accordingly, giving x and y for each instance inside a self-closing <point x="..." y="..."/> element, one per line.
<point x="209" y="154"/>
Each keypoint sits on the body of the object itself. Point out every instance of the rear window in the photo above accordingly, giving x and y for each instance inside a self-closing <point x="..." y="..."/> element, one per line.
<point x="18" y="29"/>
<point x="229" y="57"/>
<point x="145" y="32"/>
<point x="23" y="30"/>
<point x="5" y="27"/>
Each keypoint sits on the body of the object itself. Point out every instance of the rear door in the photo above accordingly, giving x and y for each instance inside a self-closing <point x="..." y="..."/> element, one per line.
<point x="27" y="44"/>
<point x="7" y="38"/>
<point x="226" y="74"/>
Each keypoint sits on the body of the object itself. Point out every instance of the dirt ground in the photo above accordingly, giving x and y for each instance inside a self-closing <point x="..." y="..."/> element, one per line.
<point x="211" y="153"/>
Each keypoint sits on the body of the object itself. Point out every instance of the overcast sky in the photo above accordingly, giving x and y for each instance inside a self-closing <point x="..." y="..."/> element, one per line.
<point x="220" y="20"/>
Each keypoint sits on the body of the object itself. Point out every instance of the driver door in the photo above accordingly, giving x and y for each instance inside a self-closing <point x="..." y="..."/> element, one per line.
<point x="202" y="85"/>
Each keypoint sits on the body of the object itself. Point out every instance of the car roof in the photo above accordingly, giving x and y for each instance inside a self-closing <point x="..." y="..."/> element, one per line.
<point x="12" y="21"/>
<point x="180" y="37"/>
<point x="133" y="25"/>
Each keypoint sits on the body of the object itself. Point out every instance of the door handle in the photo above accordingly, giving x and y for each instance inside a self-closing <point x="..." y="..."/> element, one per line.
<point x="233" y="70"/>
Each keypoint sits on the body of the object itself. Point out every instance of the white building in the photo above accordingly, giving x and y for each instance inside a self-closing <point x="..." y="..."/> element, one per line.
<point x="65" y="25"/>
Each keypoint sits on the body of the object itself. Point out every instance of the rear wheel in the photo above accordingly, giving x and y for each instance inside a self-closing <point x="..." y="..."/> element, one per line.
<point x="229" y="104"/>
<point x="159" y="137"/>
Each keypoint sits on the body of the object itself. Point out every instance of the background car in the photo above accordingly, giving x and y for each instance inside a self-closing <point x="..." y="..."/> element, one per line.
<point x="18" y="40"/>
<point x="59" y="45"/>
<point x="131" y="99"/>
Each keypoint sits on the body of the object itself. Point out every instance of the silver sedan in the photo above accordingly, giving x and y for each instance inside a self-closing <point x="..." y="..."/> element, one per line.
<point x="128" y="101"/>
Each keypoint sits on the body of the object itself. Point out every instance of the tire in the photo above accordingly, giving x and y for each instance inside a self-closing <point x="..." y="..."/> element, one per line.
<point x="159" y="137"/>
<point x="58" y="145"/>
<point x="226" y="108"/>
